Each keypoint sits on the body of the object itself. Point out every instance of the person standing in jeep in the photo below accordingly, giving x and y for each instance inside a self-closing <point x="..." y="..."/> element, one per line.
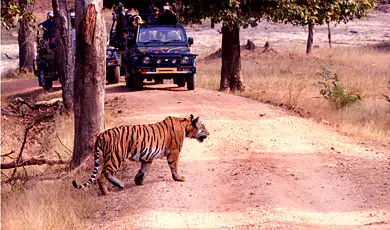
<point x="153" y="18"/>
<point x="175" y="9"/>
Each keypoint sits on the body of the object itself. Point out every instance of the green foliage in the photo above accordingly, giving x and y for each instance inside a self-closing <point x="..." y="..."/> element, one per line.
<point x="301" y="12"/>
<point x="297" y="12"/>
<point x="12" y="13"/>
<point x="334" y="93"/>
<point x="233" y="13"/>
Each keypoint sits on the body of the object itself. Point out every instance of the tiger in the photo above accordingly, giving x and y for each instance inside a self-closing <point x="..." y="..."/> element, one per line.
<point x="142" y="143"/>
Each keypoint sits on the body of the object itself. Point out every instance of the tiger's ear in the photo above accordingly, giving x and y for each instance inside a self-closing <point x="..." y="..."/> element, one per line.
<point x="191" y="117"/>
<point x="196" y="122"/>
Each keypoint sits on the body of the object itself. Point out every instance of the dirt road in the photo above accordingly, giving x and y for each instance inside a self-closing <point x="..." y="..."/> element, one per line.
<point x="275" y="171"/>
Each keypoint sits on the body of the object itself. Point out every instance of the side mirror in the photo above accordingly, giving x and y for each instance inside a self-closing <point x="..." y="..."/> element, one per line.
<point x="190" y="41"/>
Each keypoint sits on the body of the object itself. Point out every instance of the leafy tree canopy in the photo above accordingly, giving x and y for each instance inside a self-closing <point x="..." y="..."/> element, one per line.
<point x="234" y="13"/>
<point x="12" y="12"/>
<point x="301" y="12"/>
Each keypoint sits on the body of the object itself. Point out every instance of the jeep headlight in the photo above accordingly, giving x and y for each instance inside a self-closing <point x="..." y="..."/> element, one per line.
<point x="185" y="60"/>
<point x="146" y="60"/>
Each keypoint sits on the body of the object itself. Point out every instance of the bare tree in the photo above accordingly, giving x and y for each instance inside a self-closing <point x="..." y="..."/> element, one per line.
<point x="65" y="50"/>
<point x="90" y="71"/>
<point x="231" y="74"/>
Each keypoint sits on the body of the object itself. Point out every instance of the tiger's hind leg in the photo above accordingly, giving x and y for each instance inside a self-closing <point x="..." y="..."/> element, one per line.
<point x="102" y="181"/>
<point x="108" y="176"/>
<point x="173" y="162"/>
<point x="139" y="178"/>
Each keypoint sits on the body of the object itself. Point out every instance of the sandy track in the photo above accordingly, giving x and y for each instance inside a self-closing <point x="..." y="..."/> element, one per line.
<point x="275" y="171"/>
<point x="253" y="172"/>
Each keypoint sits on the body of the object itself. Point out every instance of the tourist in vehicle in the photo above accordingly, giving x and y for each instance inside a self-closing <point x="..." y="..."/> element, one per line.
<point x="73" y="24"/>
<point x="175" y="8"/>
<point x="138" y="21"/>
<point x="48" y="26"/>
<point x="118" y="17"/>
<point x="153" y="18"/>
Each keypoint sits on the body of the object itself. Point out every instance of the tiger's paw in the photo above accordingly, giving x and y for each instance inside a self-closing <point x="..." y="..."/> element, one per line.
<point x="139" y="178"/>
<point x="179" y="178"/>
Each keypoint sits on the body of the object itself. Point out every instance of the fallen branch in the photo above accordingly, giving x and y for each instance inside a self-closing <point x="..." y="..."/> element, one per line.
<point x="17" y="162"/>
<point x="32" y="161"/>
<point x="386" y="97"/>
<point x="37" y="105"/>
<point x="9" y="113"/>
<point x="7" y="154"/>
<point x="8" y="56"/>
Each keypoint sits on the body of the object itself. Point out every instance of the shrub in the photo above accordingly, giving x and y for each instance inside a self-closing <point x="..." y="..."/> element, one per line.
<point x="334" y="93"/>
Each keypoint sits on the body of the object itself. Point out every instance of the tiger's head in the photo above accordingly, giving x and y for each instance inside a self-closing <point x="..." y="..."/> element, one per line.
<point x="196" y="129"/>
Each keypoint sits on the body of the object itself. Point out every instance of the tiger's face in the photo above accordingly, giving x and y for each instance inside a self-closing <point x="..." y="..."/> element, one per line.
<point x="197" y="130"/>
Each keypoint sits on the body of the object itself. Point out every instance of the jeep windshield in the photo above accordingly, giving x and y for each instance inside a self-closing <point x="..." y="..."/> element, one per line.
<point x="161" y="35"/>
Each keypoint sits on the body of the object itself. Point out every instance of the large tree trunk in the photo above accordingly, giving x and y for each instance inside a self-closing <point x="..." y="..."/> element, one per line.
<point x="26" y="39"/>
<point x="65" y="50"/>
<point x="90" y="72"/>
<point x="309" y="47"/>
<point x="329" y="36"/>
<point x="231" y="74"/>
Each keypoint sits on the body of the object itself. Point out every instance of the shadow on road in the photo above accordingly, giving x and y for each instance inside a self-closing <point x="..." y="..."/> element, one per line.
<point x="122" y="88"/>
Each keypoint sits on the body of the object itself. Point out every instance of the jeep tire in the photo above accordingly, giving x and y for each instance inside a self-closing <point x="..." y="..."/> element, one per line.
<point x="48" y="84"/>
<point x="181" y="82"/>
<point x="113" y="75"/>
<point x="132" y="81"/>
<point x="191" y="82"/>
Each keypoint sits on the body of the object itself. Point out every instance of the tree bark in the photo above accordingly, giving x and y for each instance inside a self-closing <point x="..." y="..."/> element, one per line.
<point x="90" y="72"/>
<point x="309" y="47"/>
<point x="231" y="74"/>
<point x="329" y="36"/>
<point x="65" y="50"/>
<point x="26" y="39"/>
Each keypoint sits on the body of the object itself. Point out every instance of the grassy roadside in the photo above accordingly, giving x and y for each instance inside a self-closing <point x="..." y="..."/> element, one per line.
<point x="287" y="77"/>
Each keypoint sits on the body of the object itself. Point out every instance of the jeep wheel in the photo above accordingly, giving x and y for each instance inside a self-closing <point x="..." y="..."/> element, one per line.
<point x="181" y="82"/>
<point x="113" y="75"/>
<point x="128" y="79"/>
<point x="191" y="82"/>
<point x="133" y="81"/>
<point x="48" y="84"/>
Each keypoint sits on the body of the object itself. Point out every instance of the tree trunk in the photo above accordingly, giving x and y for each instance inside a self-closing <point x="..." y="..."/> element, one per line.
<point x="65" y="50"/>
<point x="329" y="37"/>
<point x="231" y="74"/>
<point x="90" y="72"/>
<point x="26" y="39"/>
<point x="309" y="47"/>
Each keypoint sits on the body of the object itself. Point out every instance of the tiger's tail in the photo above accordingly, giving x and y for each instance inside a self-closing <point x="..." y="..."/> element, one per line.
<point x="98" y="151"/>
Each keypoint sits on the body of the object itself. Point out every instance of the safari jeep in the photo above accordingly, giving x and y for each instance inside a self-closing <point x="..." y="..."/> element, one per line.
<point x="113" y="64"/>
<point x="159" y="52"/>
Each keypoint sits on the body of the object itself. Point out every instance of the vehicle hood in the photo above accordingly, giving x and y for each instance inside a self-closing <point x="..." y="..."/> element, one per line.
<point x="164" y="50"/>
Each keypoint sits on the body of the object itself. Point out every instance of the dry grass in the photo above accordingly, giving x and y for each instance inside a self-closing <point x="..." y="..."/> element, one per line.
<point x="12" y="74"/>
<point x="65" y="130"/>
<point x="47" y="206"/>
<point x="288" y="78"/>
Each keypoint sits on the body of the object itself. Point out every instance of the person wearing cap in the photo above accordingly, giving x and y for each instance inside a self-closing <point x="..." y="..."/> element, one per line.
<point x="175" y="9"/>
<point x="153" y="18"/>
<point x="138" y="21"/>
<point x="73" y="24"/>
<point x="48" y="26"/>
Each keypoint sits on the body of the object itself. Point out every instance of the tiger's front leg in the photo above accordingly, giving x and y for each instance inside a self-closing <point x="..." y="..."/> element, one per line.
<point x="173" y="162"/>
<point x="139" y="178"/>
